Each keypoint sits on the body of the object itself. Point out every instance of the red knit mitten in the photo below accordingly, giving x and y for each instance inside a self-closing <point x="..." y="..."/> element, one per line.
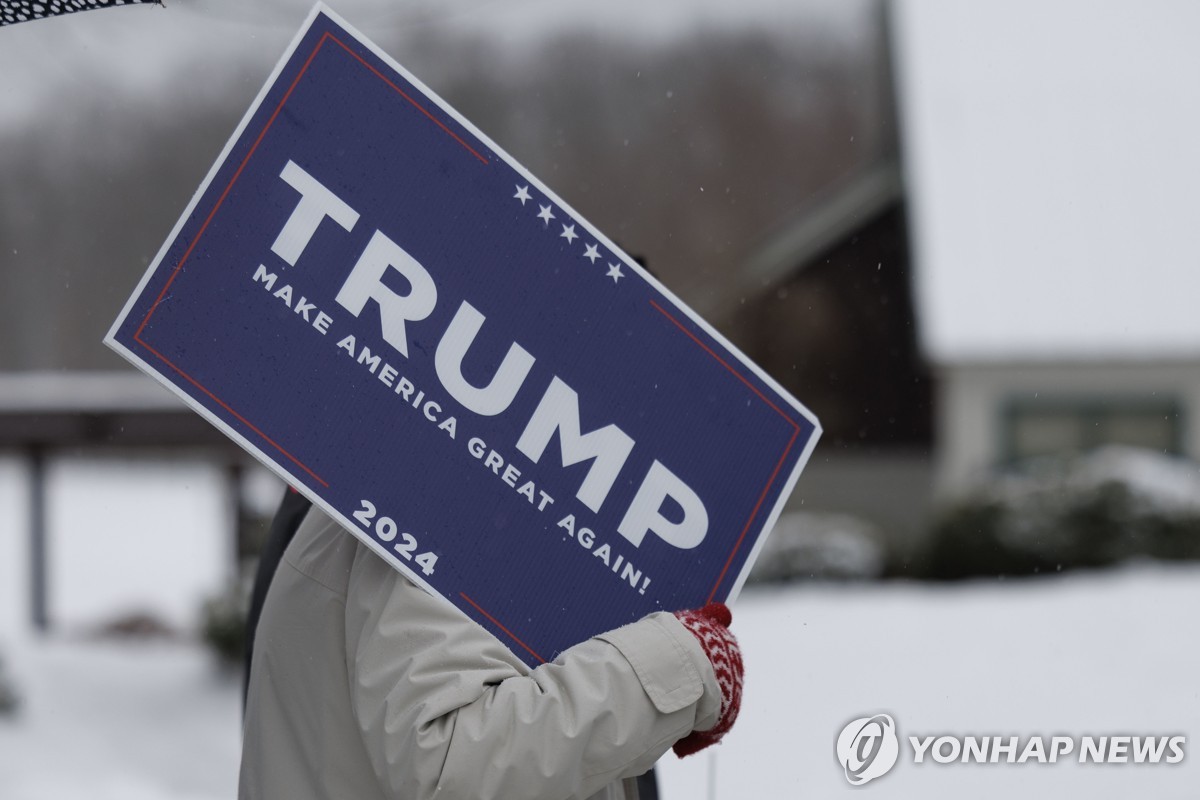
<point x="710" y="625"/>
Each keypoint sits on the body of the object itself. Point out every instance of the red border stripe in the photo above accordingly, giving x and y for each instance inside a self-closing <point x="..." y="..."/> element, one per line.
<point x="496" y="622"/>
<point x="162" y="295"/>
<point x="239" y="417"/>
<point x="187" y="253"/>
<point x="724" y="364"/>
<point x="738" y="545"/>
<point x="778" y="466"/>
<point x="403" y="94"/>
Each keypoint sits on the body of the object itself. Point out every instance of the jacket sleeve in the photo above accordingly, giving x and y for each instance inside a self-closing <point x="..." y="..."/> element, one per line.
<point x="445" y="710"/>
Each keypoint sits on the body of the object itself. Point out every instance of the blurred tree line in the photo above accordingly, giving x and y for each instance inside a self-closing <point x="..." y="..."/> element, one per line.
<point x="687" y="152"/>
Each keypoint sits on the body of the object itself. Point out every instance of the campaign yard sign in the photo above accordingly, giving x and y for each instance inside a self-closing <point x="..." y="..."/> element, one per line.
<point x="393" y="314"/>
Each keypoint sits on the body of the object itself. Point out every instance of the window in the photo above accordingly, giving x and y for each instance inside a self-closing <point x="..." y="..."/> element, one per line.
<point x="1065" y="425"/>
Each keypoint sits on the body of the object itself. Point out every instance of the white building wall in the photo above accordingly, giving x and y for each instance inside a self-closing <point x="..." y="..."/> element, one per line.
<point x="891" y="490"/>
<point x="125" y="535"/>
<point x="137" y="535"/>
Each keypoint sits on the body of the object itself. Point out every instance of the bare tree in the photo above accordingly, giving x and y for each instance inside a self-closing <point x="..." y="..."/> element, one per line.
<point x="687" y="153"/>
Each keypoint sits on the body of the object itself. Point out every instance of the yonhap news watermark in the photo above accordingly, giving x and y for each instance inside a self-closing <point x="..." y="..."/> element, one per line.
<point x="869" y="747"/>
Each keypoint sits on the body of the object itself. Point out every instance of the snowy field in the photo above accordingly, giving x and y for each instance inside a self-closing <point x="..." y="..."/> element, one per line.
<point x="1104" y="653"/>
<point x="100" y="512"/>
<point x="107" y="721"/>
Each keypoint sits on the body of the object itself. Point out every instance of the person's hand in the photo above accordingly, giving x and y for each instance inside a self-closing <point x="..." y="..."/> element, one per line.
<point x="710" y="625"/>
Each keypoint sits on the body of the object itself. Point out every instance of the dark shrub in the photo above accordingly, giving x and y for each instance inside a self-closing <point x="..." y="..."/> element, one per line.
<point x="1094" y="511"/>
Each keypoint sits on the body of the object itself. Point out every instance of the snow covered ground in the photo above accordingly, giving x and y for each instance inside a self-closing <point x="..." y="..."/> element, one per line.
<point x="125" y="536"/>
<point x="111" y="721"/>
<point x="1101" y="653"/>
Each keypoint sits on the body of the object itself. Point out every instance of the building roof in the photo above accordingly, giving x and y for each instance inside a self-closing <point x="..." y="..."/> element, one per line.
<point x="1052" y="171"/>
<point x="106" y="409"/>
<point x="824" y="223"/>
<point x="83" y="393"/>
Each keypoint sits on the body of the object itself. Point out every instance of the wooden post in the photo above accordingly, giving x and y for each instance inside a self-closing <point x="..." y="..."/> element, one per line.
<point x="234" y="473"/>
<point x="39" y="572"/>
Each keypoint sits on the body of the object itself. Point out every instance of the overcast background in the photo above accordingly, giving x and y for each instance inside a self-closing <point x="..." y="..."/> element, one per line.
<point x="1046" y="210"/>
<point x="686" y="131"/>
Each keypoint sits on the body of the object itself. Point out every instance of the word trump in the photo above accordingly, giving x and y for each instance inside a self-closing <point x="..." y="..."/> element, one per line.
<point x="607" y="448"/>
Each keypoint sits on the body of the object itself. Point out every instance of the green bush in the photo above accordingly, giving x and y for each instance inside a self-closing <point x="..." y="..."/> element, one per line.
<point x="1068" y="516"/>
<point x="223" y="626"/>
<point x="10" y="701"/>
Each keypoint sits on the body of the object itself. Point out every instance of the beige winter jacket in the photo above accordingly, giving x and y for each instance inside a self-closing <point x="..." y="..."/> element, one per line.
<point x="366" y="687"/>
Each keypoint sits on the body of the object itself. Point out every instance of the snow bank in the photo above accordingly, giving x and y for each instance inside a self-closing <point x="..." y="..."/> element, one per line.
<point x="110" y="721"/>
<point x="1097" y="653"/>
<point x="1087" y="653"/>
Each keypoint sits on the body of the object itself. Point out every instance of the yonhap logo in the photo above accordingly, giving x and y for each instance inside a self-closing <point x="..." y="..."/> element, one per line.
<point x="867" y="748"/>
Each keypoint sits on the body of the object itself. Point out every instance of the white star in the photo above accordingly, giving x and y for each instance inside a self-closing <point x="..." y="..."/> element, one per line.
<point x="569" y="233"/>
<point x="591" y="253"/>
<point x="545" y="215"/>
<point x="614" y="272"/>
<point x="522" y="194"/>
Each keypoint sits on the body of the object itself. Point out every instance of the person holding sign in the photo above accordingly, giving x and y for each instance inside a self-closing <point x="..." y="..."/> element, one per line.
<point x="363" y="685"/>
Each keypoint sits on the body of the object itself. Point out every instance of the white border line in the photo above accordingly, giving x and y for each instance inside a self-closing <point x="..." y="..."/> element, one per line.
<point x="318" y="9"/>
<point x="110" y="337"/>
<point x="294" y="480"/>
<point x="790" y="483"/>
<point x="512" y="162"/>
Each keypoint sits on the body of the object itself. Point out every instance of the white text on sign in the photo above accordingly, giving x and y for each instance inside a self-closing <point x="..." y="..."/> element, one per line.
<point x="607" y="448"/>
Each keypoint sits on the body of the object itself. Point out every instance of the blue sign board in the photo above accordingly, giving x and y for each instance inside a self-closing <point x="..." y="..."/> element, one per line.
<point x="395" y="316"/>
